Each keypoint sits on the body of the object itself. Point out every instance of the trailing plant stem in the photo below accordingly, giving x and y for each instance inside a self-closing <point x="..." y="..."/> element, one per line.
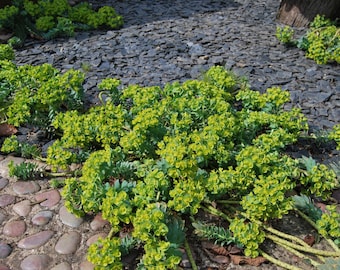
<point x="189" y="254"/>
<point x="303" y="248"/>
<point x="278" y="262"/>
<point x="286" y="236"/>
<point x="228" y="202"/>
<point x="299" y="254"/>
<point x="216" y="212"/>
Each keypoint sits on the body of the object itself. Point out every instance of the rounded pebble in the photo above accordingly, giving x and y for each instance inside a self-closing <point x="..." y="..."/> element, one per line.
<point x="68" y="243"/>
<point x="22" y="208"/>
<point x="62" y="266"/>
<point x="4" y="267"/>
<point x="14" y="228"/>
<point x="6" y="199"/>
<point x="4" y="170"/>
<point x="86" y="265"/>
<point x="68" y="218"/>
<point x="35" y="240"/>
<point x="94" y="238"/>
<point x="49" y="198"/>
<point x="25" y="187"/>
<point x="5" y="250"/>
<point x="2" y="218"/>
<point x="35" y="262"/>
<point x="3" y="182"/>
<point x="98" y="222"/>
<point x="42" y="218"/>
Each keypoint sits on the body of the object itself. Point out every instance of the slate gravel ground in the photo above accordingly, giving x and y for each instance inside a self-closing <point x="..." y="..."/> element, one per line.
<point x="162" y="41"/>
<point x="165" y="41"/>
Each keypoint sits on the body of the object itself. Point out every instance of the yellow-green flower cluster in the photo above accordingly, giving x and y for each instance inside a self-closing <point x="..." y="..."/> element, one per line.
<point x="116" y="207"/>
<point x="158" y="256"/>
<point x="6" y="52"/>
<point x="320" y="180"/>
<point x="105" y="254"/>
<point x="329" y="224"/>
<point x="335" y="135"/>
<point x="249" y="234"/>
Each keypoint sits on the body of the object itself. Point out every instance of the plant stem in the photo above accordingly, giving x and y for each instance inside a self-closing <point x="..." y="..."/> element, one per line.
<point x="286" y="236"/>
<point x="228" y="202"/>
<point x="111" y="233"/>
<point x="303" y="248"/>
<point x="278" y="262"/>
<point x="299" y="254"/>
<point x="189" y="254"/>
<point x="216" y="212"/>
<point x="307" y="218"/>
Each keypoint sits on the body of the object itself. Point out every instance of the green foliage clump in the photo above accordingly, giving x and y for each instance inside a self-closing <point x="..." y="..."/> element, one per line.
<point x="329" y="223"/>
<point x="35" y="94"/>
<point x="321" y="42"/>
<point x="159" y="153"/>
<point x="6" y="52"/>
<point x="285" y="34"/>
<point x="26" y="150"/>
<point x="335" y="135"/>
<point x="52" y="18"/>
<point x="23" y="171"/>
<point x="221" y="235"/>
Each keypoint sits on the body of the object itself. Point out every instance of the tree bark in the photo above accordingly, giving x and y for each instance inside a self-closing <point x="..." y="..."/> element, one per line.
<point x="300" y="13"/>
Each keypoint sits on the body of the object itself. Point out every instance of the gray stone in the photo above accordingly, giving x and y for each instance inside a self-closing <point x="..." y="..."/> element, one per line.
<point x="25" y="187"/>
<point x="68" y="243"/>
<point x="86" y="265"/>
<point x="14" y="228"/>
<point x="42" y="218"/>
<point x="68" y="218"/>
<point x="22" y="208"/>
<point x="4" y="267"/>
<point x="35" y="240"/>
<point x="94" y="238"/>
<point x="48" y="198"/>
<point x="2" y="218"/>
<point x="4" y="170"/>
<point x="35" y="262"/>
<point x="62" y="266"/>
<point x="6" y="199"/>
<point x="98" y="222"/>
<point x="5" y="250"/>
<point x="3" y="182"/>
<point x="195" y="49"/>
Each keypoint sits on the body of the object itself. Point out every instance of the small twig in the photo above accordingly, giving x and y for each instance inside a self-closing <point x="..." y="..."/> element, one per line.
<point x="34" y="203"/>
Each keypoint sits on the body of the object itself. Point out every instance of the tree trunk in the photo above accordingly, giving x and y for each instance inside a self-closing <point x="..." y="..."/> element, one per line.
<point x="300" y="13"/>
